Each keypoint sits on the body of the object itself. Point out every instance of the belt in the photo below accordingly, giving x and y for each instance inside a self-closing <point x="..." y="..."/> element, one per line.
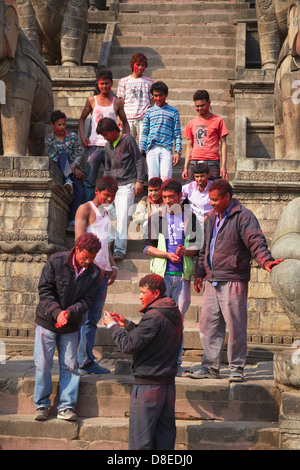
<point x="208" y="162"/>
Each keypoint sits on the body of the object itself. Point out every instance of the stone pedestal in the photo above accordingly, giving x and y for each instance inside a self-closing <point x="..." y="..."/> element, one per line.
<point x="287" y="378"/>
<point x="33" y="216"/>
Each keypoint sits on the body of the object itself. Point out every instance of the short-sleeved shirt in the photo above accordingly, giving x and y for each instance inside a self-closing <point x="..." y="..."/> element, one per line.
<point x="206" y="135"/>
<point x="136" y="95"/>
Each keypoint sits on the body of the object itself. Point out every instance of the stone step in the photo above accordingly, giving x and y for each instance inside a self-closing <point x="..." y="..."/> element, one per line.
<point x="161" y="7"/>
<point x="184" y="18"/>
<point x="206" y="61"/>
<point x="161" y="73"/>
<point x="256" y="399"/>
<point x="161" y="41"/>
<point x="178" y="50"/>
<point x="127" y="29"/>
<point x="21" y="432"/>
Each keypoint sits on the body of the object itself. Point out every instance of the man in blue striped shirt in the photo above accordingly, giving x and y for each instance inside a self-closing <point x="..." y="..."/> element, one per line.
<point x="161" y="129"/>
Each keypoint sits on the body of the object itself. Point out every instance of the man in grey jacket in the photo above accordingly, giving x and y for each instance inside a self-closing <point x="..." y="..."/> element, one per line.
<point x="125" y="163"/>
<point x="232" y="235"/>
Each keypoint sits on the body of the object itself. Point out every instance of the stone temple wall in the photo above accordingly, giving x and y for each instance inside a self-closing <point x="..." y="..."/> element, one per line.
<point x="33" y="217"/>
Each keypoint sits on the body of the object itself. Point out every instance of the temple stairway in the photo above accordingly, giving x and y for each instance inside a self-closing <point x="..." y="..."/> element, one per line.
<point x="189" y="45"/>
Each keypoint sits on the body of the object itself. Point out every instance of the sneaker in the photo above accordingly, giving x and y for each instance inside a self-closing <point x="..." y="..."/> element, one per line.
<point x="41" y="414"/>
<point x="95" y="369"/>
<point x="68" y="185"/>
<point x="203" y="374"/>
<point x="67" y="414"/>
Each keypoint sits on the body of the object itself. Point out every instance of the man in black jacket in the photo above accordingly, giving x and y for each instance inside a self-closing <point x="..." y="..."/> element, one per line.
<point x="155" y="344"/>
<point x="68" y="284"/>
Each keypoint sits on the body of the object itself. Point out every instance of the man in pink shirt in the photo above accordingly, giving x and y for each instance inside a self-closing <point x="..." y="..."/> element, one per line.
<point x="204" y="134"/>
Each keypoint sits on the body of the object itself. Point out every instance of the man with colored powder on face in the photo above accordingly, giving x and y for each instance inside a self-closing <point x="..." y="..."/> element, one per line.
<point x="172" y="238"/>
<point x="155" y="344"/>
<point x="161" y="129"/>
<point x="134" y="90"/>
<point x="92" y="217"/>
<point x="67" y="287"/>
<point x="146" y="206"/>
<point x="232" y="235"/>
<point x="205" y="133"/>
<point x="99" y="106"/>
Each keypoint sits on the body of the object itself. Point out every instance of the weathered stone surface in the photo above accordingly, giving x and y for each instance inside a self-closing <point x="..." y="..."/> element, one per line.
<point x="287" y="367"/>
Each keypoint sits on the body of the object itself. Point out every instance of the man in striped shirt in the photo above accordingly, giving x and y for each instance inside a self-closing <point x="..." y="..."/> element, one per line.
<point x="134" y="90"/>
<point x="161" y="129"/>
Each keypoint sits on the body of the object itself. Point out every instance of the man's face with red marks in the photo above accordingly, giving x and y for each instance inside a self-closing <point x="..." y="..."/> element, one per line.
<point x="202" y="106"/>
<point x="139" y="68"/>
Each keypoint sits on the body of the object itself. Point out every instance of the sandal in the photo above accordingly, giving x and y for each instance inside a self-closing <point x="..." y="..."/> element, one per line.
<point x="118" y="255"/>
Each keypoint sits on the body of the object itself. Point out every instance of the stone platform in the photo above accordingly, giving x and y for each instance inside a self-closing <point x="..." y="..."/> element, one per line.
<point x="210" y="414"/>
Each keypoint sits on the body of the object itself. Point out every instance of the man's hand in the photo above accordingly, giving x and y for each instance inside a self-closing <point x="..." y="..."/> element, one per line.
<point x="268" y="267"/>
<point x="139" y="188"/>
<point x="173" y="257"/>
<point x="112" y="317"/>
<point x="85" y="141"/>
<point x="180" y="250"/>
<point x="112" y="276"/>
<point x="176" y="159"/>
<point x="62" y="318"/>
<point x="78" y="174"/>
<point x="198" y="284"/>
<point x="223" y="173"/>
<point x="184" y="174"/>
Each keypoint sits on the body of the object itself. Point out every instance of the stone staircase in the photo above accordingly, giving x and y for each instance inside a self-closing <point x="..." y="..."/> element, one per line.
<point x="210" y="414"/>
<point x="190" y="45"/>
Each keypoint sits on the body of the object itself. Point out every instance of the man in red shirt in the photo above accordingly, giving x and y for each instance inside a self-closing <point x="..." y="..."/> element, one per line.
<point x="204" y="134"/>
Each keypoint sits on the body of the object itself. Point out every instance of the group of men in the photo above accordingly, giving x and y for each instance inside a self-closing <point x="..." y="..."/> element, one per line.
<point x="200" y="220"/>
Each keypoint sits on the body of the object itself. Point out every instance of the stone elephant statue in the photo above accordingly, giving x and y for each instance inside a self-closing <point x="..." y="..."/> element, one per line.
<point x="285" y="278"/>
<point x="287" y="90"/>
<point x="57" y="28"/>
<point x="25" y="115"/>
<point x="272" y="29"/>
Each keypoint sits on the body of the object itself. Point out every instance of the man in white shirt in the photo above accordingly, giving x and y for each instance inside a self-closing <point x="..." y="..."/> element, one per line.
<point x="196" y="192"/>
<point x="134" y="90"/>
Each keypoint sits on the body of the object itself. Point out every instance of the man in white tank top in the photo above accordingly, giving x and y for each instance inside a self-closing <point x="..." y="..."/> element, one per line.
<point x="99" y="106"/>
<point x="92" y="217"/>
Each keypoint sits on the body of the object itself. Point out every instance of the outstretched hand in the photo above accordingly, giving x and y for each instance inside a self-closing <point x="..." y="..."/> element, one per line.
<point x="271" y="264"/>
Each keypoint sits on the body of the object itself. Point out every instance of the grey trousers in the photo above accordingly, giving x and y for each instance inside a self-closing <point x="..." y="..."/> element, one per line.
<point x="152" y="417"/>
<point x="224" y="305"/>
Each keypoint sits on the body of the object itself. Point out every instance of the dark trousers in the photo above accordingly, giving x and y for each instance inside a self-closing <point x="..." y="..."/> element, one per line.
<point x="152" y="417"/>
<point x="64" y="164"/>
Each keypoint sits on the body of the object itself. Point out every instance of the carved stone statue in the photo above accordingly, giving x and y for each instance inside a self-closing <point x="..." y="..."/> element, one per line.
<point x="57" y="28"/>
<point x="29" y="99"/>
<point x="279" y="26"/>
<point x="272" y="29"/>
<point x="285" y="278"/>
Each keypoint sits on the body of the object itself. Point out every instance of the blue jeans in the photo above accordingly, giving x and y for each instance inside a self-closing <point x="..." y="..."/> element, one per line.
<point x="89" y="327"/>
<point x="178" y="289"/>
<point x="94" y="158"/>
<point x="69" y="377"/>
<point x="63" y="163"/>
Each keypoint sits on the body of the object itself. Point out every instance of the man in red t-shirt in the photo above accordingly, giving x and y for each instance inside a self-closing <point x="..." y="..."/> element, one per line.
<point x="204" y="134"/>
